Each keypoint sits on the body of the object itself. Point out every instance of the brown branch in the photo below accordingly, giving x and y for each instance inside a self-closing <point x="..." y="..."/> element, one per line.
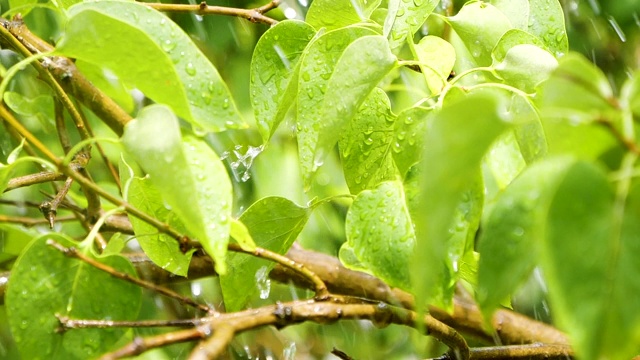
<point x="15" y="35"/>
<point x="73" y="252"/>
<point x="50" y="208"/>
<point x="140" y="345"/>
<point x="254" y="15"/>
<point x="220" y="328"/>
<point x="28" y="222"/>
<point x="32" y="179"/>
<point x="67" y="324"/>
<point x="514" y="352"/>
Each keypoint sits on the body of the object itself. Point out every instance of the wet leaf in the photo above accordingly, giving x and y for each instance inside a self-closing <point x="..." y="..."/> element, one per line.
<point x="197" y="188"/>
<point x="543" y="19"/>
<point x="437" y="58"/>
<point x="365" y="144"/>
<point x="316" y="69"/>
<point x="162" y="249"/>
<point x="480" y="26"/>
<point x="509" y="243"/>
<point x="334" y="14"/>
<point x="404" y="18"/>
<point x="512" y="38"/>
<point x="274" y="72"/>
<point x="108" y="83"/>
<point x="348" y="87"/>
<point x="450" y="167"/>
<point x="525" y="66"/>
<point x="504" y="161"/>
<point x="13" y="239"/>
<point x="44" y="282"/>
<point x="410" y="129"/>
<point x="591" y="264"/>
<point x="274" y="223"/>
<point x="170" y="69"/>
<point x="241" y="235"/>
<point x="380" y="235"/>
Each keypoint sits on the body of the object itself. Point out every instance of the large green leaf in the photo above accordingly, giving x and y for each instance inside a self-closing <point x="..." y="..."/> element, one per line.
<point x="274" y="223"/>
<point x="543" y="19"/>
<point x="380" y="236"/>
<point x="192" y="179"/>
<point x="13" y="239"/>
<point x="274" y="75"/>
<point x="365" y="145"/>
<point x="591" y="264"/>
<point x="316" y="69"/>
<point x="404" y="18"/>
<point x="409" y="130"/>
<point x="163" y="250"/>
<point x="349" y="86"/>
<point x="334" y="14"/>
<point x="458" y="137"/>
<point x="45" y="283"/>
<point x="169" y="67"/>
<point x="577" y="90"/>
<point x="479" y="18"/>
<point x="510" y="240"/>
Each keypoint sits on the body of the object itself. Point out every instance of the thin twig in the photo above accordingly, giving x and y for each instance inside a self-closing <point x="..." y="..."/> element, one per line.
<point x="67" y="324"/>
<point x="32" y="179"/>
<point x="28" y="222"/>
<point x="50" y="208"/>
<point x="140" y="345"/>
<point x="514" y="352"/>
<point x="254" y="15"/>
<point x="61" y="127"/>
<point x="73" y="252"/>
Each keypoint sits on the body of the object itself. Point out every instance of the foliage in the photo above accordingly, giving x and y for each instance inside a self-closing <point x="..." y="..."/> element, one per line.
<point x="475" y="149"/>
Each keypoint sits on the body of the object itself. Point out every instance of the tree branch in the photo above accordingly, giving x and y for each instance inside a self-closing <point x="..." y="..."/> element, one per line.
<point x="254" y="15"/>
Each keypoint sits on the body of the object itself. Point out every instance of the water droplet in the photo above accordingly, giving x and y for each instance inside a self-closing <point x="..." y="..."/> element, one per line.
<point x="368" y="141"/>
<point x="225" y="103"/>
<point x="306" y="76"/>
<point x="289" y="352"/>
<point x="168" y="45"/>
<point x="190" y="69"/>
<point x="263" y="282"/>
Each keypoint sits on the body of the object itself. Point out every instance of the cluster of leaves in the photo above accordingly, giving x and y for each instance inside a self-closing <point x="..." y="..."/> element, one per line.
<point x="525" y="138"/>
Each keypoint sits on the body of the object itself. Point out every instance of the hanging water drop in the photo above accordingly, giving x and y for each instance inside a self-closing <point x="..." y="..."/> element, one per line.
<point x="190" y="69"/>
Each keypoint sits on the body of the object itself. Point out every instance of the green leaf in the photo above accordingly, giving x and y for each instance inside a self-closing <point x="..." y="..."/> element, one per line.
<point x="349" y="86"/>
<point x="543" y="19"/>
<point x="241" y="235"/>
<point x="274" y="72"/>
<point x="274" y="223"/>
<point x="546" y="21"/>
<point x="366" y="142"/>
<point x="380" y="235"/>
<point x="404" y="18"/>
<point x="437" y="58"/>
<point x="107" y="82"/>
<point x="630" y="94"/>
<point x="40" y="107"/>
<point x="169" y="67"/>
<point x="511" y="236"/>
<point x="316" y="69"/>
<point x="504" y="160"/>
<point x="410" y="129"/>
<point x="458" y="136"/>
<point x="525" y="66"/>
<point x="197" y="188"/>
<point x="44" y="282"/>
<point x="334" y="14"/>
<point x="162" y="249"/>
<point x="577" y="90"/>
<point x="512" y="38"/>
<point x="591" y="264"/>
<point x="13" y="239"/>
<point x="479" y="18"/>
